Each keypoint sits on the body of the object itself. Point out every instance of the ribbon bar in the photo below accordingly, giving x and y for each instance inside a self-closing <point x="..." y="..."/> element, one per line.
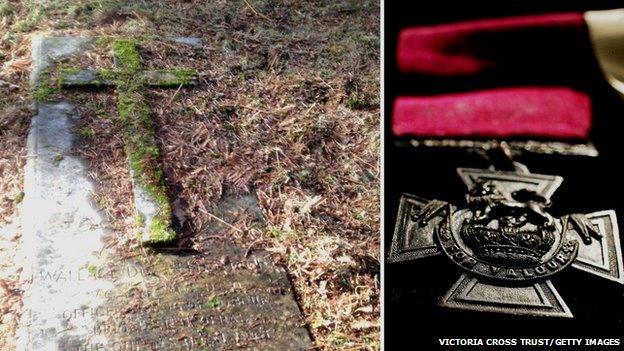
<point x="526" y="112"/>
<point x="473" y="47"/>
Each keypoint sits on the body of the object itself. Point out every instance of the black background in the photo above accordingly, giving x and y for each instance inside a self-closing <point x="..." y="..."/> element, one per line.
<point x="413" y="320"/>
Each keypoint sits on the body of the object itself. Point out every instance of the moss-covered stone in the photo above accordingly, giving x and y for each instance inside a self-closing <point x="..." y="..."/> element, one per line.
<point x="144" y="159"/>
<point x="126" y="55"/>
<point x="140" y="140"/>
<point x="161" y="232"/>
<point x="111" y="74"/>
<point x="170" y="78"/>
<point x="72" y="77"/>
<point x="139" y="219"/>
<point x="69" y="70"/>
<point x="45" y="89"/>
<point x="141" y="147"/>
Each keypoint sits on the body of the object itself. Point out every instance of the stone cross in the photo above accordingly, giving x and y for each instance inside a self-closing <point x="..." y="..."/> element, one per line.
<point x="75" y="288"/>
<point x="151" y="199"/>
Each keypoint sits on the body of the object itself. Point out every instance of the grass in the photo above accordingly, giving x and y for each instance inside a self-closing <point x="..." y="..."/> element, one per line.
<point x="285" y="108"/>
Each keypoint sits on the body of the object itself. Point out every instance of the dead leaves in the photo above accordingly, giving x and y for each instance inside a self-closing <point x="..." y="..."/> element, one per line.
<point x="16" y="60"/>
<point x="271" y="116"/>
<point x="11" y="86"/>
<point x="16" y="65"/>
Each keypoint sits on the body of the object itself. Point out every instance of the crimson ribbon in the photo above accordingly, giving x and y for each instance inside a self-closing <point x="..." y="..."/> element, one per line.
<point x="553" y="112"/>
<point x="476" y="47"/>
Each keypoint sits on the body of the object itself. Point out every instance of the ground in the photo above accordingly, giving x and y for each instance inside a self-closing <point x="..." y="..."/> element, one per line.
<point x="286" y="109"/>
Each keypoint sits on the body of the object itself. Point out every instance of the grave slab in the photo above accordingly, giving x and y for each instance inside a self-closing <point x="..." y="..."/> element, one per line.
<point x="82" y="296"/>
<point x="226" y="297"/>
<point x="61" y="229"/>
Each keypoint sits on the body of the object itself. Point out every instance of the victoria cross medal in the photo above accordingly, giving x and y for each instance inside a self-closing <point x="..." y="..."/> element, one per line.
<point x="506" y="243"/>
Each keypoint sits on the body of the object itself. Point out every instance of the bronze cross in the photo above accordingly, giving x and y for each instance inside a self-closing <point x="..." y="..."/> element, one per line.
<point x="506" y="244"/>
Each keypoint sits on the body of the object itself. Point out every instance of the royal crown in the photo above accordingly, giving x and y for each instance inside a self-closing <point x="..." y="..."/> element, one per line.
<point x="501" y="244"/>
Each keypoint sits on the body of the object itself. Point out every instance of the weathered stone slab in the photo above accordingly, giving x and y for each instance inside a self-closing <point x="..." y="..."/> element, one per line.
<point x="83" y="297"/>
<point x="190" y="41"/>
<point x="45" y="50"/>
<point x="83" y="78"/>
<point x="225" y="297"/>
<point x="220" y="299"/>
<point x="164" y="78"/>
<point x="61" y="230"/>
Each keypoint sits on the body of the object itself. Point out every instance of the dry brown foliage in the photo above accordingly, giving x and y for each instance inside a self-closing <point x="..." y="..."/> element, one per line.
<point x="286" y="109"/>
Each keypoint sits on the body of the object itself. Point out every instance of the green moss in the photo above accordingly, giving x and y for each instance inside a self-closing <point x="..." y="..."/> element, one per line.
<point x="93" y="270"/>
<point x="139" y="219"/>
<point x="103" y="41"/>
<point x="161" y="232"/>
<point x="184" y="75"/>
<point x="144" y="159"/>
<point x="69" y="70"/>
<point x="45" y="89"/>
<point x="143" y="153"/>
<point x="87" y="132"/>
<point x="213" y="302"/>
<point x="126" y="55"/>
<point x="18" y="198"/>
<point x="113" y="75"/>
<point x="43" y="93"/>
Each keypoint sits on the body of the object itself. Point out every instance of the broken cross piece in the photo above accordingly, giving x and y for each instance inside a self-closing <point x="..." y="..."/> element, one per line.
<point x="151" y="199"/>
